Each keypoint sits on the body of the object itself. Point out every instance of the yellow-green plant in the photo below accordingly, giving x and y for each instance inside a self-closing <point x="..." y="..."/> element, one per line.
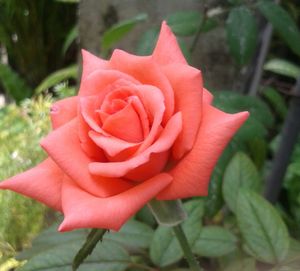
<point x="21" y="128"/>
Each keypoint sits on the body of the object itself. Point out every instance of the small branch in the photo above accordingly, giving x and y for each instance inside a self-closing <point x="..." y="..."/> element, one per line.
<point x="197" y="35"/>
<point x="265" y="44"/>
<point x="92" y="240"/>
<point x="261" y="60"/>
<point x="289" y="137"/>
<point x="194" y="265"/>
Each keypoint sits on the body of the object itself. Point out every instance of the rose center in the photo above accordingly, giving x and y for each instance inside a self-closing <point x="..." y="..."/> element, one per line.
<point x="121" y="115"/>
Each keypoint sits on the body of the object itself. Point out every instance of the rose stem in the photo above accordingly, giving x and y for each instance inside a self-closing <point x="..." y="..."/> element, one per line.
<point x="186" y="248"/>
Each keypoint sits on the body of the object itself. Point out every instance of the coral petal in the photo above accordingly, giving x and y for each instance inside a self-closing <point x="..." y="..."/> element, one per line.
<point x="83" y="210"/>
<point x="192" y="173"/>
<point x="207" y="96"/>
<point x="147" y="72"/>
<point x="99" y="82"/>
<point x="63" y="111"/>
<point x="124" y="124"/>
<point x="112" y="145"/>
<point x="42" y="183"/>
<point x="167" y="50"/>
<point x="87" y="145"/>
<point x="187" y="86"/>
<point x="91" y="63"/>
<point x="162" y="144"/>
<point x="63" y="146"/>
<point x="155" y="165"/>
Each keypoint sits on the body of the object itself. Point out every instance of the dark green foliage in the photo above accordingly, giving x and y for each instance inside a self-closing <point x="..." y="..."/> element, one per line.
<point x="276" y="101"/>
<point x="283" y="23"/>
<point x="147" y="42"/>
<point x="283" y="67"/>
<point x="119" y="30"/>
<point x="250" y="138"/>
<point x="265" y="235"/>
<point x="241" y="34"/>
<point x="33" y="32"/>
<point x="185" y="23"/>
<point x="14" y="86"/>
<point x="240" y="173"/>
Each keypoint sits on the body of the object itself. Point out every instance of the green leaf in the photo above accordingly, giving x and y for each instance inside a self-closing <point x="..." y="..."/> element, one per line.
<point x="244" y="264"/>
<point x="276" y="100"/>
<point x="144" y="215"/>
<point x="57" y="77"/>
<point x="13" y="84"/>
<point x="195" y="211"/>
<point x="119" y="30"/>
<point x="240" y="173"/>
<point x="260" y="118"/>
<point x="185" y="50"/>
<point x="133" y="235"/>
<point x="192" y="226"/>
<point x="233" y="102"/>
<point x="283" y="67"/>
<point x="87" y="248"/>
<point x="185" y="23"/>
<point x="209" y="24"/>
<point x="283" y="23"/>
<point x="258" y="149"/>
<point x="264" y="233"/>
<point x="107" y="256"/>
<point x="293" y="256"/>
<point x="167" y="213"/>
<point x="71" y="37"/>
<point x="164" y="248"/>
<point x="49" y="239"/>
<point x="147" y="42"/>
<point x="214" y="241"/>
<point x="241" y="34"/>
<point x="214" y="201"/>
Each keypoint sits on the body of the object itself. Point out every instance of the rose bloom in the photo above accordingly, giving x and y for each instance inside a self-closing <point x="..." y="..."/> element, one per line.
<point x="141" y="127"/>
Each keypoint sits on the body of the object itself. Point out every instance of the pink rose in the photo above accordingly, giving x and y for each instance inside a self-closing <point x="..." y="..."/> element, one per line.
<point x="141" y="127"/>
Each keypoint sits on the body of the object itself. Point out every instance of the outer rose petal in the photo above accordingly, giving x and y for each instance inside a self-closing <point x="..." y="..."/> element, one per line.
<point x="42" y="183"/>
<point x="192" y="173"/>
<point x="146" y="71"/>
<point x="83" y="210"/>
<point x="187" y="85"/>
<point x="207" y="96"/>
<point x="63" y="111"/>
<point x="91" y="63"/>
<point x="167" y="50"/>
<point x="161" y="145"/>
<point x="64" y="148"/>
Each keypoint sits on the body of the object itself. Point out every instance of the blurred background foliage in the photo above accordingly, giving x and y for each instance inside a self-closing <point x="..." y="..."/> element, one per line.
<point x="39" y="44"/>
